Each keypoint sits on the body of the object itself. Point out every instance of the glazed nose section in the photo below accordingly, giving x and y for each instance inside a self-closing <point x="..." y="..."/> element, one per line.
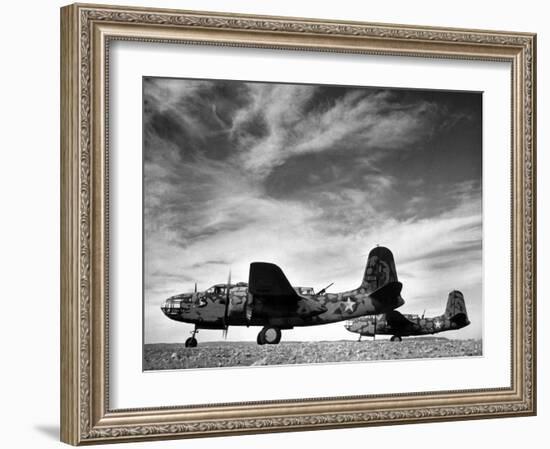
<point x="172" y="306"/>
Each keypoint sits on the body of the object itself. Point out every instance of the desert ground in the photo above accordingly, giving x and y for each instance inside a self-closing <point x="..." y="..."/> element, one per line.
<point x="225" y="354"/>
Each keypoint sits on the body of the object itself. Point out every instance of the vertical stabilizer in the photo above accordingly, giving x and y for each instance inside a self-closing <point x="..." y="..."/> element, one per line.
<point x="456" y="309"/>
<point x="380" y="269"/>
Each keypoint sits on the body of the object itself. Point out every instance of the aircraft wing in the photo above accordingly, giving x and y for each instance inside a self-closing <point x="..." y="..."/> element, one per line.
<point x="397" y="321"/>
<point x="274" y="296"/>
<point x="267" y="279"/>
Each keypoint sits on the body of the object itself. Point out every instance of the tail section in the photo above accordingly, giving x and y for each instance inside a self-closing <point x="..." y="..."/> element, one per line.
<point x="380" y="269"/>
<point x="380" y="280"/>
<point x="456" y="309"/>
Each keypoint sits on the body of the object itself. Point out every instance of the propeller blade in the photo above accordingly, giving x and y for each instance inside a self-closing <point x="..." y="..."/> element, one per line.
<point x="195" y="287"/>
<point x="224" y="332"/>
<point x="227" y="300"/>
<point x="228" y="285"/>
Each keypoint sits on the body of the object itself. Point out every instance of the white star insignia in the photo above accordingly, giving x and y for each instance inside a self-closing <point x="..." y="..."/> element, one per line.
<point x="349" y="305"/>
<point x="437" y="324"/>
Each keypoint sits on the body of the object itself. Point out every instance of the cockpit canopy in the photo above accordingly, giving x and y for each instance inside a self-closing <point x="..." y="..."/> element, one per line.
<point x="221" y="289"/>
<point x="304" y="290"/>
<point x="216" y="290"/>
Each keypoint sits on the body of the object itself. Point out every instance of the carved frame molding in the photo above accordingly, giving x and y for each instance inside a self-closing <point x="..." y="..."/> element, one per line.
<point x="86" y="32"/>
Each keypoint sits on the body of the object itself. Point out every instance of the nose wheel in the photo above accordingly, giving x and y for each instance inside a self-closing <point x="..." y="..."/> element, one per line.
<point x="269" y="335"/>
<point x="191" y="342"/>
<point x="396" y="338"/>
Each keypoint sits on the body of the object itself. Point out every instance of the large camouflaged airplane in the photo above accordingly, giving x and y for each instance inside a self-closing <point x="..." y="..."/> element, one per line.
<point x="269" y="300"/>
<point x="399" y="325"/>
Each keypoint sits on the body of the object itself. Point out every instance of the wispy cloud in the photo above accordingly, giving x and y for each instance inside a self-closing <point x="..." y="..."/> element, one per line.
<point x="357" y="120"/>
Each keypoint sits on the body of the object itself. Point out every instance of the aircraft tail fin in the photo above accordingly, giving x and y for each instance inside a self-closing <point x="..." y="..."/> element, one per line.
<point x="380" y="269"/>
<point x="456" y="309"/>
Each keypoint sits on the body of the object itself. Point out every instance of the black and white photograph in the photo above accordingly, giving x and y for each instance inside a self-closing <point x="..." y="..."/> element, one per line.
<point x="298" y="223"/>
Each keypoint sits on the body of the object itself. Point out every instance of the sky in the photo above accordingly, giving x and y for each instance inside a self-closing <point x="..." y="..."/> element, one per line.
<point x="311" y="178"/>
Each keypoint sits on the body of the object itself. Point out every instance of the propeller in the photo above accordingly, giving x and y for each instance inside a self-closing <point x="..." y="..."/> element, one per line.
<point x="195" y="294"/>
<point x="423" y="313"/>
<point x="228" y="285"/>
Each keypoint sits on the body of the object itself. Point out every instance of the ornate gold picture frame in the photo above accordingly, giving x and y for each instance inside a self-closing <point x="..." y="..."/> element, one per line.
<point x="87" y="31"/>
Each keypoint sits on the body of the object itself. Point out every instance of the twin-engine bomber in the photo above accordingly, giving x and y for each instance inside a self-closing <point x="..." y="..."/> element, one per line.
<point x="400" y="325"/>
<point x="270" y="301"/>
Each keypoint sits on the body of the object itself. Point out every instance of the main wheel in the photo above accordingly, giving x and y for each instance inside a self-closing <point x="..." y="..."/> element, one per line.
<point x="260" y="338"/>
<point x="191" y="342"/>
<point x="269" y="335"/>
<point x="272" y="335"/>
<point x="396" y="338"/>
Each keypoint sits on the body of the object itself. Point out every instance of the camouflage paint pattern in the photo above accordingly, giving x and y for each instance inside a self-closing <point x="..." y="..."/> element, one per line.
<point x="220" y="306"/>
<point x="403" y="325"/>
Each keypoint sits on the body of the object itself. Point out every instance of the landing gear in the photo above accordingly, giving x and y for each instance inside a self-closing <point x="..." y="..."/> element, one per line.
<point x="191" y="342"/>
<point x="269" y="335"/>
<point x="396" y="338"/>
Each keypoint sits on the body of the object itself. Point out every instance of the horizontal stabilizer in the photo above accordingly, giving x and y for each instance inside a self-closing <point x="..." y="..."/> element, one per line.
<point x="388" y="297"/>
<point x="267" y="279"/>
<point x="390" y="290"/>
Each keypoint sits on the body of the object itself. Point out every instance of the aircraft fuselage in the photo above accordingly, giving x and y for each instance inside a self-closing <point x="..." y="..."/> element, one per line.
<point x="269" y="300"/>
<point x="417" y="325"/>
<point x="208" y="310"/>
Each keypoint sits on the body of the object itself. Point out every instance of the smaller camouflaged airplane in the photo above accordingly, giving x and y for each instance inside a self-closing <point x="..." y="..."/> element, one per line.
<point x="269" y="300"/>
<point x="399" y="325"/>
